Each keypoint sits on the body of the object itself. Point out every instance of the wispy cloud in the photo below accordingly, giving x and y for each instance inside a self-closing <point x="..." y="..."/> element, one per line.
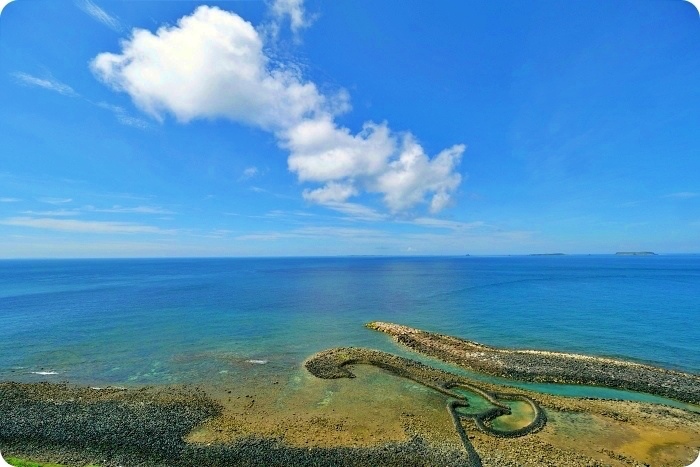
<point x="219" y="233"/>
<point x="264" y="236"/>
<point x="90" y="209"/>
<point x="257" y="189"/>
<point x="318" y="232"/>
<point x="215" y="233"/>
<point x="9" y="200"/>
<point x="356" y="211"/>
<point x="52" y="200"/>
<point x="130" y="210"/>
<point x="110" y="107"/>
<point x="55" y="213"/>
<point x="447" y="224"/>
<point x="249" y="173"/>
<point x="334" y="232"/>
<point x="135" y="122"/>
<point x="123" y="116"/>
<point x="99" y="14"/>
<point x="80" y="226"/>
<point x="277" y="213"/>
<point x="46" y="83"/>
<point x="682" y="195"/>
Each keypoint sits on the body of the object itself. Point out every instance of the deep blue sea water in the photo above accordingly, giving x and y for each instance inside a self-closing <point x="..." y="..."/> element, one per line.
<point x="162" y="321"/>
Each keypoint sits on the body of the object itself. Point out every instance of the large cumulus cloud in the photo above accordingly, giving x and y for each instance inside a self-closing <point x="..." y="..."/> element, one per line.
<point x="212" y="64"/>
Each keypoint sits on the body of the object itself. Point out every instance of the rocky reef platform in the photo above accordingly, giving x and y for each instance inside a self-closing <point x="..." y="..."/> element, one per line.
<point x="348" y="407"/>
<point x="547" y="367"/>
<point x="147" y="427"/>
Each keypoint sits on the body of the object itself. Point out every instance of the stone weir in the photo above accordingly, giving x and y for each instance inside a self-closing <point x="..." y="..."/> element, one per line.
<point x="547" y="367"/>
<point x="333" y="363"/>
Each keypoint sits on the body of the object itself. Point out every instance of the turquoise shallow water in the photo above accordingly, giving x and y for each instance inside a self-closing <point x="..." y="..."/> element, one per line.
<point x="200" y="320"/>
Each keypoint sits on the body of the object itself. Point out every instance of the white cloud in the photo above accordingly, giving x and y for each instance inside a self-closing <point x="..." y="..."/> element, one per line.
<point x="321" y="152"/>
<point x="9" y="200"/>
<point x="295" y="10"/>
<point x="376" y="160"/>
<point x="212" y="64"/>
<point x="45" y="83"/>
<point x="331" y="193"/>
<point x="79" y="226"/>
<point x="99" y="14"/>
<point x="413" y="176"/>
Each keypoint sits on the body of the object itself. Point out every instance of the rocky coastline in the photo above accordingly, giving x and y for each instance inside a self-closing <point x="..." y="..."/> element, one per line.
<point x="438" y="415"/>
<point x="547" y="367"/>
<point x="146" y="427"/>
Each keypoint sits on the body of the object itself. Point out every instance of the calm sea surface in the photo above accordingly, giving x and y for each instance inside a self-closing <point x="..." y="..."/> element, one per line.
<point x="206" y="320"/>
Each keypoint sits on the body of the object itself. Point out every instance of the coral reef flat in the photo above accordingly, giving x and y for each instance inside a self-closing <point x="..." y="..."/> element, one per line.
<point x="547" y="367"/>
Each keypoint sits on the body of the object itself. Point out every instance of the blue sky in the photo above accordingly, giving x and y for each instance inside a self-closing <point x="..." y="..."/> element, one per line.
<point x="249" y="128"/>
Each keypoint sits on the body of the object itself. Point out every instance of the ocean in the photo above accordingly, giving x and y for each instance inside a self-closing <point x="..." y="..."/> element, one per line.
<point x="131" y="322"/>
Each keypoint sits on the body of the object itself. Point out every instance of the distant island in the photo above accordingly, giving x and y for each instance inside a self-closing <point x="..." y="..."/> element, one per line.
<point x="636" y="253"/>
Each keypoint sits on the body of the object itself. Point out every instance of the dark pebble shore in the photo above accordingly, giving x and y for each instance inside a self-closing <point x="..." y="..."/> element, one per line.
<point x="548" y="367"/>
<point x="146" y="427"/>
